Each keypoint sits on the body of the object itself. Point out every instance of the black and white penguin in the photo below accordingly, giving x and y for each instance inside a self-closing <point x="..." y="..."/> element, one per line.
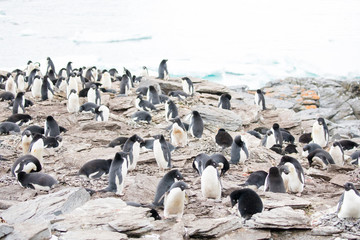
<point x="174" y="201"/>
<point x="141" y="116"/>
<point x="224" y="101"/>
<point x="53" y="142"/>
<point x="36" y="87"/>
<point x="355" y="158"/>
<point x="223" y="138"/>
<point x="68" y="69"/>
<point x="61" y="85"/>
<point x="9" y="127"/>
<point x="46" y="90"/>
<point x="10" y="85"/>
<point x="164" y="185"/>
<point x="144" y="105"/>
<point x="305" y="138"/>
<point x="272" y="137"/>
<point x="102" y="113"/>
<point x="260" y="99"/>
<point x="132" y="146"/>
<point x="256" y="178"/>
<point x="348" y="144"/>
<point x="153" y="95"/>
<point x="320" y="157"/>
<point x="6" y="96"/>
<point x="249" y="202"/>
<point x="337" y="153"/>
<point x="117" y="173"/>
<point x="51" y="127"/>
<point x="162" y="152"/>
<point x="142" y="91"/>
<point x="19" y="103"/>
<point x="26" y="141"/>
<point x="73" y="103"/>
<point x="178" y="133"/>
<point x="287" y="137"/>
<point x="27" y="163"/>
<point x="144" y="72"/>
<point x="187" y="86"/>
<point x="35" y="129"/>
<point x="72" y="84"/>
<point x="171" y="110"/>
<point x="163" y="71"/>
<point x="120" y="141"/>
<point x="320" y="132"/>
<point x="290" y="148"/>
<point x="95" y="168"/>
<point x="199" y="162"/>
<point x="181" y="95"/>
<point x="274" y="181"/>
<point x="239" y="151"/>
<point x="222" y="162"/>
<point x="19" y="118"/>
<point x="87" y="107"/>
<point x="210" y="181"/>
<point x="93" y="95"/>
<point x="348" y="206"/>
<point x="292" y="174"/>
<point x="106" y="80"/>
<point x="36" y="180"/>
<point x="125" y="85"/>
<point x="31" y="79"/>
<point x="50" y="65"/>
<point x="163" y="98"/>
<point x="37" y="147"/>
<point x="20" y="82"/>
<point x="307" y="149"/>
<point x="196" y="126"/>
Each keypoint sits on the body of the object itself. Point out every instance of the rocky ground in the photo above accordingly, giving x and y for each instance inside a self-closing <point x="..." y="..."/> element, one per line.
<point x="68" y="211"/>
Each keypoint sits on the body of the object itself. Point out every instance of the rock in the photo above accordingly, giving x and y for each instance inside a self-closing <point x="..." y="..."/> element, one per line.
<point x="211" y="88"/>
<point x="316" y="173"/>
<point x="247" y="234"/>
<point x="5" y="229"/>
<point x="31" y="229"/>
<point x="177" y="231"/>
<point x="325" y="231"/>
<point x="98" y="234"/>
<point x="95" y="126"/>
<point x="280" y="218"/>
<point x="278" y="200"/>
<point x="340" y="179"/>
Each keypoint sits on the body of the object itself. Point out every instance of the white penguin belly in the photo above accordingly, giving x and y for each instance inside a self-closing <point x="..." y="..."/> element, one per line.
<point x="40" y="187"/>
<point x="136" y="153"/>
<point x="91" y="96"/>
<point x="174" y="202"/>
<point x="270" y="141"/>
<point x="159" y="156"/>
<point x="119" y="185"/>
<point x="318" y="135"/>
<point x="350" y="206"/>
<point x="73" y="103"/>
<point x="178" y="136"/>
<point x="337" y="155"/>
<point x="37" y="150"/>
<point x="210" y="185"/>
<point x="36" y="88"/>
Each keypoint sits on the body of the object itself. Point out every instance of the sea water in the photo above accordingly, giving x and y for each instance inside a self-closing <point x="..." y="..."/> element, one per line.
<point x="235" y="42"/>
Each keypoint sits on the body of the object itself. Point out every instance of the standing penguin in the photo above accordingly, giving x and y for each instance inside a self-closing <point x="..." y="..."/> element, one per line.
<point x="162" y="152"/>
<point x="164" y="185"/>
<point x="320" y="132"/>
<point x="132" y="146"/>
<point x="50" y="65"/>
<point x="20" y="82"/>
<point x="36" y="87"/>
<point x="187" y="86"/>
<point x="93" y="95"/>
<point x="163" y="71"/>
<point x="210" y="181"/>
<point x="292" y="174"/>
<point x="73" y="104"/>
<point x="224" y="101"/>
<point x="19" y="103"/>
<point x="239" y="151"/>
<point x="25" y="141"/>
<point x="125" y="85"/>
<point x="51" y="127"/>
<point x="171" y="110"/>
<point x="153" y="95"/>
<point x="348" y="206"/>
<point x="106" y="80"/>
<point x="196" y="126"/>
<point x="178" y="133"/>
<point x="174" y="202"/>
<point x="223" y="138"/>
<point x="222" y="162"/>
<point x="46" y="90"/>
<point x="272" y="137"/>
<point x="249" y="202"/>
<point x="260" y="99"/>
<point x="337" y="153"/>
<point x="101" y="113"/>
<point x="274" y="181"/>
<point x="37" y="147"/>
<point x="71" y="84"/>
<point x="117" y="173"/>
<point x="10" y="85"/>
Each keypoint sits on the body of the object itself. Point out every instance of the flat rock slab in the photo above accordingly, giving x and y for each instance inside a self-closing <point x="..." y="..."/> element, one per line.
<point x="247" y="234"/>
<point x="340" y="179"/>
<point x="5" y="229"/>
<point x="280" y="218"/>
<point x="277" y="200"/>
<point x="31" y="229"/>
<point x="99" y="234"/>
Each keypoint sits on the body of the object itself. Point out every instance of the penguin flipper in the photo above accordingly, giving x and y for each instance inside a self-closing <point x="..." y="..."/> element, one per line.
<point x="340" y="203"/>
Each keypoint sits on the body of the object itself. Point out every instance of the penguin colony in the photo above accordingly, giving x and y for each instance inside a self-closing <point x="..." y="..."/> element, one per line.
<point x="81" y="91"/>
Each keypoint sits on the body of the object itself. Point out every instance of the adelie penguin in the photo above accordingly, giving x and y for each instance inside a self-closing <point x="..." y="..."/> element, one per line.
<point x="337" y="153"/>
<point x="162" y="152"/>
<point x="256" y="178"/>
<point x="260" y="99"/>
<point x="9" y="127"/>
<point x="224" y="101"/>
<point x="73" y="104"/>
<point x="273" y="136"/>
<point x="19" y="118"/>
<point x="132" y="146"/>
<point x="37" y="147"/>
<point x="93" y="95"/>
<point x="36" y="180"/>
<point x="348" y="144"/>
<point x="87" y="107"/>
<point x="10" y="85"/>
<point x="26" y="141"/>
<point x="153" y="95"/>
<point x="223" y="139"/>
<point x="292" y="174"/>
<point x="178" y="133"/>
<point x="19" y="103"/>
<point x="102" y="113"/>
<point x="274" y="181"/>
<point x="348" y="206"/>
<point x="51" y="127"/>
<point x="106" y="80"/>
<point x="171" y="110"/>
<point x="307" y="149"/>
<point x="46" y="90"/>
<point x="141" y="116"/>
<point x="249" y="202"/>
<point x="27" y="163"/>
<point x="6" y="96"/>
<point x="164" y="185"/>
<point x="222" y="162"/>
<point x="320" y="132"/>
<point x="95" y="168"/>
<point x="20" y="82"/>
<point x="187" y="86"/>
<point x="239" y="151"/>
<point x="196" y="126"/>
<point x="144" y="105"/>
<point x="124" y="85"/>
<point x="50" y="65"/>
<point x="210" y="181"/>
<point x="36" y="87"/>
<point x="174" y="202"/>
<point x="199" y="162"/>
<point x="320" y="157"/>
<point x="163" y="71"/>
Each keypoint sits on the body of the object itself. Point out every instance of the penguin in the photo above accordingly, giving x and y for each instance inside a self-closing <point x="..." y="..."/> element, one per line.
<point x="46" y="90"/>
<point x="171" y="111"/>
<point x="287" y="137"/>
<point x="144" y="72"/>
<point x="20" y="82"/>
<point x="255" y="134"/>
<point x="181" y="95"/>
<point x="249" y="202"/>
<point x="19" y="118"/>
<point x="277" y="148"/>
<point x="8" y="127"/>
<point x="37" y="147"/>
<point x="163" y="98"/>
<point x="72" y="84"/>
<point x="132" y="146"/>
<point x="305" y="138"/>
<point x="117" y="173"/>
<point x="52" y="77"/>
<point x="162" y="152"/>
<point x="187" y="86"/>
<point x="178" y="133"/>
<point x="62" y="73"/>
<point x="95" y="168"/>
<point x="272" y="137"/>
<point x="128" y="73"/>
<point x="222" y="162"/>
<point x="31" y="78"/>
<point x="290" y="148"/>
<point x="6" y="96"/>
<point x="223" y="138"/>
<point x="307" y="149"/>
<point x="348" y="206"/>
<point x="210" y="181"/>
<point x="224" y="101"/>
<point x="87" y="107"/>
<point x="125" y="85"/>
<point x="165" y="184"/>
<point x="256" y="178"/>
<point x="61" y="84"/>
<point x="68" y="69"/>
<point x="10" y="85"/>
<point x="34" y="129"/>
<point x="106" y="80"/>
<point x="52" y="142"/>
<point x="50" y="65"/>
<point x="355" y="157"/>
<point x="337" y="153"/>
<point x="36" y="87"/>
<point x="260" y="99"/>
<point x="101" y="113"/>
<point x="120" y="141"/>
<point x="26" y="141"/>
<point x="196" y="126"/>
<point x="91" y="74"/>
<point x="320" y="157"/>
<point x="320" y="132"/>
<point x="277" y="133"/>
<point x="73" y="104"/>
<point x="152" y="95"/>
<point x="93" y="95"/>
<point x="36" y="180"/>
<point x="51" y="127"/>
<point x="274" y="181"/>
<point x="163" y="71"/>
<point x="174" y="201"/>
<point x="292" y="174"/>
<point x="239" y="151"/>
<point x="141" y="116"/>
<point x="348" y="144"/>
<point x="142" y="91"/>
<point x="19" y="103"/>
<point x="27" y="163"/>
<point x="144" y="105"/>
<point x="199" y="162"/>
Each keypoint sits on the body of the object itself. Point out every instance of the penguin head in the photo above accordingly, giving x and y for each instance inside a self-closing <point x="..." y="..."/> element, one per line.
<point x="121" y="156"/>
<point x="234" y="197"/>
<point x="285" y="169"/>
<point x="195" y="113"/>
<point x="259" y="91"/>
<point x="29" y="62"/>
<point x="136" y="138"/>
<point x="27" y="133"/>
<point x="180" y="185"/>
<point x="20" y="94"/>
<point x="274" y="171"/>
<point x="276" y="126"/>
<point x="175" y="173"/>
<point x="238" y="141"/>
<point x="211" y="162"/>
<point x="226" y="95"/>
<point x="49" y="118"/>
<point x="349" y="186"/>
<point x="321" y="121"/>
